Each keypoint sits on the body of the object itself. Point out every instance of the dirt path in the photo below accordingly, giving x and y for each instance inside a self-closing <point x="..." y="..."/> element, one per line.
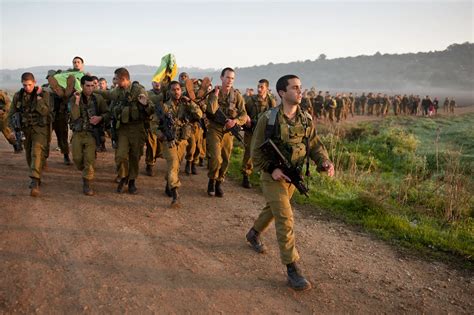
<point x="68" y="253"/>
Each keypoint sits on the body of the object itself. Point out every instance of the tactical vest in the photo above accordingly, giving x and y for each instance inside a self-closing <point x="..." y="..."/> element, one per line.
<point x="183" y="127"/>
<point x="228" y="106"/>
<point x="126" y="108"/>
<point x="292" y="140"/>
<point x="259" y="106"/>
<point x="29" y="115"/>
<point x="83" y="122"/>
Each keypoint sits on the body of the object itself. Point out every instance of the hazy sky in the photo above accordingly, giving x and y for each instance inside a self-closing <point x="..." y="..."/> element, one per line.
<point x="215" y="34"/>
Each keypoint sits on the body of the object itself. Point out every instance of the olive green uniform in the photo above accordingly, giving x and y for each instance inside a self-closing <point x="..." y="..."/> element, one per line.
<point x="35" y="110"/>
<point x="153" y="145"/>
<point x="174" y="151"/>
<point x="83" y="142"/>
<point x="289" y="136"/>
<point x="5" y="107"/>
<point x="219" y="140"/>
<point x="131" y="117"/>
<point x="60" y="123"/>
<point x="255" y="107"/>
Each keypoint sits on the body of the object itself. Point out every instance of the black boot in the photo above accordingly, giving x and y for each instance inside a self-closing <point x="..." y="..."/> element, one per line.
<point x="295" y="279"/>
<point x="122" y="183"/>
<point x="35" y="191"/>
<point x="132" y="189"/>
<point x="193" y="169"/>
<point x="201" y="162"/>
<point x="175" y="202"/>
<point x="67" y="161"/>
<point x="187" y="168"/>
<point x="86" y="188"/>
<point x="18" y="148"/>
<point x="219" y="191"/>
<point x="168" y="190"/>
<point x="253" y="237"/>
<point x="246" y="182"/>
<point x="149" y="170"/>
<point x="210" y="187"/>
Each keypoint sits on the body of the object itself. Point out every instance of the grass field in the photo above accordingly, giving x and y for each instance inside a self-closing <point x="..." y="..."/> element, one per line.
<point x="408" y="180"/>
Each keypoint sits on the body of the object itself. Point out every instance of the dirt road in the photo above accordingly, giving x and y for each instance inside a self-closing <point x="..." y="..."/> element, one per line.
<point x="67" y="253"/>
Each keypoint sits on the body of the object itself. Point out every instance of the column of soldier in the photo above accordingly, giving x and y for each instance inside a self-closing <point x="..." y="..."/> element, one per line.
<point x="338" y="107"/>
<point x="185" y="119"/>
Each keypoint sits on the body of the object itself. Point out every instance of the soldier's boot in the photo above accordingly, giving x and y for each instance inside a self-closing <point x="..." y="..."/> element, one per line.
<point x="132" y="189"/>
<point x="201" y="162"/>
<point x="86" y="187"/>
<point x="35" y="191"/>
<point x="295" y="280"/>
<point x="17" y="148"/>
<point x="193" y="169"/>
<point x="67" y="160"/>
<point x="117" y="179"/>
<point x="70" y="81"/>
<point x="219" y="191"/>
<point x="149" y="170"/>
<point x="175" y="202"/>
<point x="253" y="238"/>
<point x="187" y="168"/>
<point x="168" y="190"/>
<point x="211" y="191"/>
<point x="122" y="183"/>
<point x="246" y="182"/>
<point x="53" y="84"/>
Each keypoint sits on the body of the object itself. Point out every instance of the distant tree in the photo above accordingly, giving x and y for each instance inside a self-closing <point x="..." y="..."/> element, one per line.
<point x="378" y="54"/>
<point x="322" y="57"/>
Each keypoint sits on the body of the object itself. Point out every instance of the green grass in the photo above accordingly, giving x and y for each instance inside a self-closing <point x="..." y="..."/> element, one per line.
<point x="393" y="180"/>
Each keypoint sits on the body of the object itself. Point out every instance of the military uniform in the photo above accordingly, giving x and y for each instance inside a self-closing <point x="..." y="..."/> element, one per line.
<point x="182" y="112"/>
<point x="255" y="107"/>
<point x="34" y="110"/>
<point x="289" y="135"/>
<point x="452" y="104"/>
<point x="219" y="141"/>
<point x="7" y="132"/>
<point x="153" y="145"/>
<point x="130" y="116"/>
<point x="83" y="142"/>
<point x="318" y="106"/>
<point x="330" y="108"/>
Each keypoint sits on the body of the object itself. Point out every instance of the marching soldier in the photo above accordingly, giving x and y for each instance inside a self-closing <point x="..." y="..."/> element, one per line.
<point x="175" y="130"/>
<point x="293" y="133"/>
<point x="255" y="107"/>
<point x="318" y="105"/>
<point x="219" y="140"/>
<point x="130" y="108"/>
<point x="31" y="109"/>
<point x="153" y="144"/>
<point x="7" y="132"/>
<point x="452" y="104"/>
<point x="87" y="111"/>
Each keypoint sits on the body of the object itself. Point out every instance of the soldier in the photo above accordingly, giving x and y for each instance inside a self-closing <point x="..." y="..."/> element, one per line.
<point x="218" y="139"/>
<point x="351" y="105"/>
<point x="31" y="107"/>
<point x="370" y="104"/>
<point x="436" y="105"/>
<point x="330" y="107"/>
<point x="175" y="130"/>
<point x="153" y="144"/>
<point x="293" y="133"/>
<point x="452" y="104"/>
<point x="130" y="108"/>
<point x="363" y="103"/>
<point x="385" y="105"/>
<point x="255" y="107"/>
<point x="396" y="105"/>
<point x="103" y="84"/>
<point x="306" y="104"/>
<point x="318" y="105"/>
<point x="339" y="107"/>
<point x="7" y="132"/>
<point x="425" y="105"/>
<point x="446" y="105"/>
<point x="87" y="111"/>
<point x="405" y="104"/>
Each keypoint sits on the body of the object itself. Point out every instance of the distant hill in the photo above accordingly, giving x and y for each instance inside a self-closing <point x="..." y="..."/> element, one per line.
<point x="449" y="70"/>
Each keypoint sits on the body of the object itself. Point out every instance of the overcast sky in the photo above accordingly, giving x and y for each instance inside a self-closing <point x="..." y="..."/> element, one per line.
<point x="214" y="34"/>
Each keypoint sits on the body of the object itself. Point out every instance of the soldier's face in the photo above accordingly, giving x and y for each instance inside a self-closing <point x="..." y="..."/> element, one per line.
<point x="262" y="89"/>
<point x="122" y="82"/>
<point x="228" y="79"/>
<point x="96" y="84"/>
<point x="103" y="85"/>
<point x="176" y="91"/>
<point x="77" y="64"/>
<point x="155" y="85"/>
<point x="183" y="77"/>
<point x="88" y="88"/>
<point x="293" y="93"/>
<point x="28" y="85"/>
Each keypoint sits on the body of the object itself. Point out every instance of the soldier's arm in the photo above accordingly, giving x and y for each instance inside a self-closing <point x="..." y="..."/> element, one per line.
<point x="74" y="108"/>
<point x="195" y="110"/>
<point x="13" y="109"/>
<point x="317" y="150"/>
<point x="212" y="104"/>
<point x="109" y="95"/>
<point x="43" y="104"/>
<point x="103" y="109"/>
<point x="7" y="103"/>
<point x="242" y="113"/>
<point x="260" y="161"/>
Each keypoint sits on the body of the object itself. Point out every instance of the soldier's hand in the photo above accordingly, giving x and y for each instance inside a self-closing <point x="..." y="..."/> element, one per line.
<point x="143" y="99"/>
<point x="2" y="111"/>
<point x="94" y="120"/>
<point x="278" y="175"/>
<point x="248" y="121"/>
<point x="331" y="170"/>
<point x="77" y="96"/>
<point x="216" y="90"/>
<point x="230" y="123"/>
<point x="185" y="98"/>
<point x="39" y="90"/>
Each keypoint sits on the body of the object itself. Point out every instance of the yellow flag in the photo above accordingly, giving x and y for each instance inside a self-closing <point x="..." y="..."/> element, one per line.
<point x="167" y="69"/>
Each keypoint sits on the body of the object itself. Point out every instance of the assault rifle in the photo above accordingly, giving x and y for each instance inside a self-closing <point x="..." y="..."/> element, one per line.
<point x="19" y="136"/>
<point x="113" y="131"/>
<point x="168" y="125"/>
<point x="97" y="130"/>
<point x="221" y="119"/>
<point x="272" y="152"/>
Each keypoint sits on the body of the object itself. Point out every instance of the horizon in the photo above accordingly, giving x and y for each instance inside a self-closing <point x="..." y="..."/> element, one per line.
<point x="213" y="34"/>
